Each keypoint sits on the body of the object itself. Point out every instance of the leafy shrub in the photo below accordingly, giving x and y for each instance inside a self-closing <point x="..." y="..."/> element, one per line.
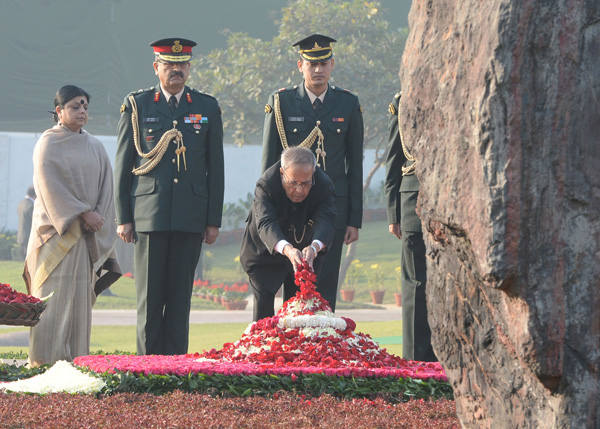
<point x="8" y="242"/>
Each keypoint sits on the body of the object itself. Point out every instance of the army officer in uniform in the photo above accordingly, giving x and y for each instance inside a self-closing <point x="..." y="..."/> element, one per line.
<point x="402" y="190"/>
<point x="328" y="120"/>
<point x="169" y="193"/>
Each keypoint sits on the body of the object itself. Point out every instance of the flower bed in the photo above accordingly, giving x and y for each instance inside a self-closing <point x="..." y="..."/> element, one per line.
<point x="304" y="349"/>
<point x="303" y="346"/>
<point x="232" y="297"/>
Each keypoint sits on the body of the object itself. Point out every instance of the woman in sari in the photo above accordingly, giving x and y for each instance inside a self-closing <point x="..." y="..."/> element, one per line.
<point x="71" y="250"/>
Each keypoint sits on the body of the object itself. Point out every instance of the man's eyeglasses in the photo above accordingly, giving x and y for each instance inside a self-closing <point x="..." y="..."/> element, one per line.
<point x="295" y="184"/>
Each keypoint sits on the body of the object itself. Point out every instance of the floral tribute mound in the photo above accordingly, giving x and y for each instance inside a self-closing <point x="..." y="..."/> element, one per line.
<point x="303" y="338"/>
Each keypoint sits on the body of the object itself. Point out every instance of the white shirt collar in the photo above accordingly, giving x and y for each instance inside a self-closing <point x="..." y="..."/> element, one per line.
<point x="313" y="97"/>
<point x="167" y="94"/>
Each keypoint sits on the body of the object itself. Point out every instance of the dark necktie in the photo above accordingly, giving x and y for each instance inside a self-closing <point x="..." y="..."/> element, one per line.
<point x="173" y="103"/>
<point x="317" y="105"/>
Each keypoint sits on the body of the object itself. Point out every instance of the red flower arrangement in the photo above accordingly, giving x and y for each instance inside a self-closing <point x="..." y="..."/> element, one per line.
<point x="303" y="338"/>
<point x="10" y="296"/>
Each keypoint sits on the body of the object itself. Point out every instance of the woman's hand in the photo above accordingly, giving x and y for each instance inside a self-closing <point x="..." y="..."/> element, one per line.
<point x="92" y="221"/>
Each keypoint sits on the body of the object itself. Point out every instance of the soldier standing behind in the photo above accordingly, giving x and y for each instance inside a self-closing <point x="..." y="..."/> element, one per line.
<point x="169" y="185"/>
<point x="402" y="190"/>
<point x="328" y="120"/>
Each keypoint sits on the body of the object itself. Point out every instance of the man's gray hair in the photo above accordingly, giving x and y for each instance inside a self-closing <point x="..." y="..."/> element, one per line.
<point x="298" y="155"/>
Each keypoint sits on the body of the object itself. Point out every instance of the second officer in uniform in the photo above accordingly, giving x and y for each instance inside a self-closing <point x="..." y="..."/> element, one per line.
<point x="328" y="120"/>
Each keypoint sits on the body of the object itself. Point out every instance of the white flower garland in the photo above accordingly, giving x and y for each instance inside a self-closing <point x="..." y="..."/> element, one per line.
<point x="312" y="321"/>
<point x="62" y="377"/>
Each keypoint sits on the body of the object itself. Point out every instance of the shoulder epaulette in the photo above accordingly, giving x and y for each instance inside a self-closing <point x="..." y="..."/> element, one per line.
<point x="344" y="90"/>
<point x="291" y="88"/>
<point x="139" y="91"/>
<point x="201" y="93"/>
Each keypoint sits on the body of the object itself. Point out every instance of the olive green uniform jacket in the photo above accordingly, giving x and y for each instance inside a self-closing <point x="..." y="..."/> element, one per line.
<point x="401" y="191"/>
<point x="171" y="197"/>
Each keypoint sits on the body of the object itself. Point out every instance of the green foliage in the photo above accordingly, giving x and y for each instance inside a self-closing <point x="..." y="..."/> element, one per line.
<point x="393" y="389"/>
<point x="13" y="372"/>
<point x="8" y="244"/>
<point x="353" y="275"/>
<point x="367" y="60"/>
<point x="234" y="214"/>
<point x="375" y="276"/>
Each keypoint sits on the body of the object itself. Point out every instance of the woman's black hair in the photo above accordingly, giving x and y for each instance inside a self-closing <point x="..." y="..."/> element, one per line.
<point x="64" y="95"/>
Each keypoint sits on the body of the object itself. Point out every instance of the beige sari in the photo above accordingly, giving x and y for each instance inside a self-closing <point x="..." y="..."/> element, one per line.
<point x="72" y="174"/>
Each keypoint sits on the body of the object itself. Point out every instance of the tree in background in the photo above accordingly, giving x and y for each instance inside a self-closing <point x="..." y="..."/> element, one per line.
<point x="367" y="59"/>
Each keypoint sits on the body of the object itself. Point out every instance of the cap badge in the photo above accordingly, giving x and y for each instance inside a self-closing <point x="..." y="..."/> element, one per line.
<point x="317" y="46"/>
<point x="177" y="47"/>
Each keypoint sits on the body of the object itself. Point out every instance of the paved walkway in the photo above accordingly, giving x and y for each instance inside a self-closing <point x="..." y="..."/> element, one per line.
<point x="128" y="317"/>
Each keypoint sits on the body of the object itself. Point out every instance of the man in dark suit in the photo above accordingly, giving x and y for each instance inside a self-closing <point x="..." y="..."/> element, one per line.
<point x="25" y="212"/>
<point x="328" y="120"/>
<point x="402" y="190"/>
<point x="169" y="184"/>
<point x="292" y="217"/>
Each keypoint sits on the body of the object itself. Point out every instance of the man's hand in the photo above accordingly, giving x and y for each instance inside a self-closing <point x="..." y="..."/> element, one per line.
<point x="351" y="235"/>
<point x="210" y="234"/>
<point x="125" y="231"/>
<point x="92" y="221"/>
<point x="309" y="254"/>
<point x="394" y="229"/>
<point x="293" y="254"/>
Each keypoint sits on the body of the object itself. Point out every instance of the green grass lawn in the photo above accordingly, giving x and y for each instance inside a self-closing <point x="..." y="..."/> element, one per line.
<point x="109" y="338"/>
<point x="375" y="246"/>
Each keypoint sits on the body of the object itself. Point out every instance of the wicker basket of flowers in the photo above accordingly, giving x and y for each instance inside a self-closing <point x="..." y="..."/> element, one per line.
<point x="19" y="309"/>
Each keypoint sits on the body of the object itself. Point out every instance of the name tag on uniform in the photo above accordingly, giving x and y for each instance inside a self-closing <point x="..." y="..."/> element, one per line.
<point x="296" y="119"/>
<point x="148" y="120"/>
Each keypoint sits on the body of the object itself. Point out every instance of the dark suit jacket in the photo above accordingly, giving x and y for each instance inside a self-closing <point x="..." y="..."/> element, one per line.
<point x="401" y="191"/>
<point x="342" y="126"/>
<point x="269" y="221"/>
<point x="25" y="212"/>
<point x="166" y="199"/>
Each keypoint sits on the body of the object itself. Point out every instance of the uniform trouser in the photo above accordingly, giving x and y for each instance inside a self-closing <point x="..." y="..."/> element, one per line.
<point x="164" y="274"/>
<point x="416" y="334"/>
<point x="327" y="279"/>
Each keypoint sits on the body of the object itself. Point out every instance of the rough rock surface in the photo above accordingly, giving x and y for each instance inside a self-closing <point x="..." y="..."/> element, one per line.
<point x="501" y="107"/>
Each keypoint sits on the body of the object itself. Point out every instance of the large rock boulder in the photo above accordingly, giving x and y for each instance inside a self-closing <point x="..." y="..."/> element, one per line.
<point x="501" y="107"/>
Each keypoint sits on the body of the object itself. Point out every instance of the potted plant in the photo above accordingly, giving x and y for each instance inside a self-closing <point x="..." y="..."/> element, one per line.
<point x="376" y="283"/>
<point x="215" y="293"/>
<point x="235" y="297"/>
<point x="398" y="294"/>
<point x="352" y="276"/>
